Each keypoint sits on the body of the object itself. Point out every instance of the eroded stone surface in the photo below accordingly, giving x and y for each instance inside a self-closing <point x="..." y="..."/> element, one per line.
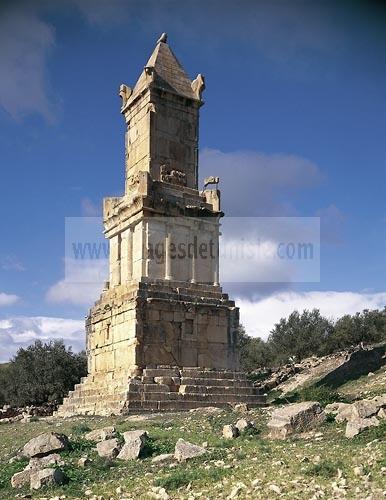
<point x="109" y="448"/>
<point x="46" y="477"/>
<point x="45" y="444"/>
<point x="184" y="450"/>
<point x="297" y="417"/>
<point x="101" y="434"/>
<point x="134" y="444"/>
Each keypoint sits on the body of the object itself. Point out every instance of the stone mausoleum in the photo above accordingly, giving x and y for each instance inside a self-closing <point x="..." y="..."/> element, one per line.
<point x="162" y="336"/>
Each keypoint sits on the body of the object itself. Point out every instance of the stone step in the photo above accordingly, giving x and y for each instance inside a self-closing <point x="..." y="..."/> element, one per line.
<point x="218" y="382"/>
<point x="202" y="389"/>
<point x="214" y="374"/>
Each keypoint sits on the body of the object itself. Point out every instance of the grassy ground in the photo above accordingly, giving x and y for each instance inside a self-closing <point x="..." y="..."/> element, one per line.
<point x="308" y="466"/>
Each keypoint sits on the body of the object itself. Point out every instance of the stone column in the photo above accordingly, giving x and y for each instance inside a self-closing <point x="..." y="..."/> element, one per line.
<point x="115" y="260"/>
<point x="130" y="253"/>
<point x="124" y="256"/>
<point x="168" y="262"/>
<point x="145" y="228"/>
<point x="216" y="263"/>
<point x="193" y="267"/>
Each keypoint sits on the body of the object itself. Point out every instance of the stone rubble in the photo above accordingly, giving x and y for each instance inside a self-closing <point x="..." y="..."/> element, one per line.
<point x="44" y="444"/>
<point x="296" y="417"/>
<point x="101" y="434"/>
<point x="134" y="443"/>
<point x="109" y="448"/>
<point x="185" y="450"/>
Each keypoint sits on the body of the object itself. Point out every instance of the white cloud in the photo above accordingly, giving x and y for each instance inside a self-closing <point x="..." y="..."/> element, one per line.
<point x="257" y="184"/>
<point x="82" y="284"/>
<point x="8" y="299"/>
<point x="260" y="316"/>
<point x="16" y="332"/>
<point x="25" y="43"/>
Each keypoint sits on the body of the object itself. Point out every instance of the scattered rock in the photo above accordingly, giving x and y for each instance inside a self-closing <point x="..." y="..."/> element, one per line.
<point x="243" y="425"/>
<point x="185" y="450"/>
<point x="358" y="425"/>
<point x="344" y="412"/>
<point x="358" y="471"/>
<point x="243" y="407"/>
<point x="101" y="434"/>
<point x="165" y="457"/>
<point x="45" y="444"/>
<point x="134" y="444"/>
<point x="274" y="488"/>
<point x="364" y="409"/>
<point x="21" y="478"/>
<point x="230" y="431"/>
<point x="83" y="462"/>
<point x="108" y="449"/>
<point x="46" y="477"/>
<point x="294" y="418"/>
<point x="42" y="462"/>
<point x="382" y="413"/>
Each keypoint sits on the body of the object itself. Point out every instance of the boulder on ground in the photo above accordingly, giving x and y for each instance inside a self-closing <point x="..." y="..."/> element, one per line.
<point x="243" y="425"/>
<point x="381" y="413"/>
<point x="101" y="434"/>
<point x="134" y="444"/>
<point x="357" y="425"/>
<point x="364" y="409"/>
<point x="185" y="450"/>
<point x="21" y="478"/>
<point x="380" y="401"/>
<point x="344" y="412"/>
<point x="230" y="431"/>
<point x="84" y="461"/>
<point x="46" y="477"/>
<point x="45" y="444"/>
<point x="108" y="449"/>
<point x="295" y="417"/>
<point x="335" y="408"/>
<point x="41" y="462"/>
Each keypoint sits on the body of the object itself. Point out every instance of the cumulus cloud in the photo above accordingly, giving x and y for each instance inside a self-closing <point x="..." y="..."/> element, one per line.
<point x="260" y="316"/>
<point x="258" y="184"/>
<point x="16" y="332"/>
<point x="82" y="284"/>
<point x="25" y="44"/>
<point x="8" y="299"/>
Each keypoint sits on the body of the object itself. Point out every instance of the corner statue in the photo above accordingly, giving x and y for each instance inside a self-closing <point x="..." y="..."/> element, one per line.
<point x="162" y="336"/>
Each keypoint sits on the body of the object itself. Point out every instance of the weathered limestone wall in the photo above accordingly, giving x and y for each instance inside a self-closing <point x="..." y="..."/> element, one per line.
<point x="155" y="325"/>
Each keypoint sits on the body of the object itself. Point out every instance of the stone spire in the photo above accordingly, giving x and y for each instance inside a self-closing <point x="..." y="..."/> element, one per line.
<point x="165" y="72"/>
<point x="162" y="115"/>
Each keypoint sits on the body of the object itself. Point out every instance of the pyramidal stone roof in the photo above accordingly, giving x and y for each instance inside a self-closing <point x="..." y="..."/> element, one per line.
<point x="168" y="75"/>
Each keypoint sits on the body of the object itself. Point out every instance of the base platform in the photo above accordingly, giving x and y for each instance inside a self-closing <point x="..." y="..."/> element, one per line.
<point x="159" y="389"/>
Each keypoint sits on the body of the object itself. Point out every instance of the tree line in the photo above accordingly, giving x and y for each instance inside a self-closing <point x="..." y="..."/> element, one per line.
<point x="46" y="372"/>
<point x="41" y="373"/>
<point x="309" y="333"/>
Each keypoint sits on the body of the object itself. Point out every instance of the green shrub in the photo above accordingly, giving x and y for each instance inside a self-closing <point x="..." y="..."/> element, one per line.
<point x="42" y="373"/>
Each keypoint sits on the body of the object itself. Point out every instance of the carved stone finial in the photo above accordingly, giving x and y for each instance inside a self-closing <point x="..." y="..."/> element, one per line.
<point x="124" y="93"/>
<point x="211" y="180"/>
<point x="198" y="85"/>
<point x="163" y="38"/>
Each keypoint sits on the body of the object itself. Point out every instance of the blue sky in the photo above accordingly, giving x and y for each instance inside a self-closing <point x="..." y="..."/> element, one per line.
<point x="294" y="123"/>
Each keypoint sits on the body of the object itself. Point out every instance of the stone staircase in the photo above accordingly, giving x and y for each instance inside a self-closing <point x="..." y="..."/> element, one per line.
<point x="159" y="389"/>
